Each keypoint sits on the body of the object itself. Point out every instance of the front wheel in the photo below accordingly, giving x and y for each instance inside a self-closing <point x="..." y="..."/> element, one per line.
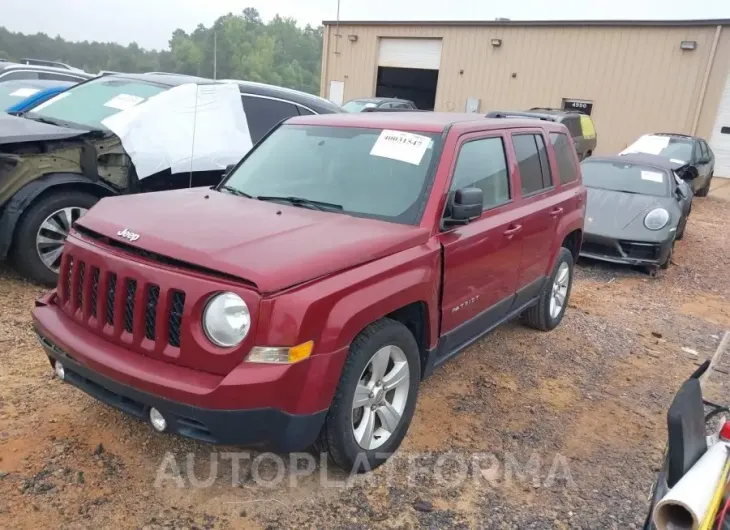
<point x="375" y="398"/>
<point x="40" y="236"/>
<point x="547" y="313"/>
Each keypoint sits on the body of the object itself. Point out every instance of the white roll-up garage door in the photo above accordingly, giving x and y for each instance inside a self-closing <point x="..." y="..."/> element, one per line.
<point x="720" y="138"/>
<point x="410" y="53"/>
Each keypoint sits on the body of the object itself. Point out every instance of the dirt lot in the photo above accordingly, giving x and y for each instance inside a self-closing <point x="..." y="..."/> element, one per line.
<point x="524" y="430"/>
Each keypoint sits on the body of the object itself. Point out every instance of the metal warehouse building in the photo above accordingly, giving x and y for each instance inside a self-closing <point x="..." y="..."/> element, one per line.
<point x="633" y="77"/>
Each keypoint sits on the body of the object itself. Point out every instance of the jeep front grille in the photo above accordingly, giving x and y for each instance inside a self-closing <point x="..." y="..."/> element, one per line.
<point x="121" y="306"/>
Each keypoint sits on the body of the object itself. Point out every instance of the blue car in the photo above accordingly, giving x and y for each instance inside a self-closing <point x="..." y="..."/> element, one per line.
<point x="22" y="95"/>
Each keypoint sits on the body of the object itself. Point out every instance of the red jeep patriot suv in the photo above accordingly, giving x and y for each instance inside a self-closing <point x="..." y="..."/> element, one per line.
<point x="304" y="299"/>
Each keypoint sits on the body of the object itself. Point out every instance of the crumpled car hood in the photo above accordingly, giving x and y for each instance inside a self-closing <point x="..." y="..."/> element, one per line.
<point x="14" y="130"/>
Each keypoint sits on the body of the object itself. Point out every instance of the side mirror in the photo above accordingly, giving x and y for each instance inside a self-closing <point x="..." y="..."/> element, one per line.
<point x="679" y="193"/>
<point x="467" y="205"/>
<point x="229" y="168"/>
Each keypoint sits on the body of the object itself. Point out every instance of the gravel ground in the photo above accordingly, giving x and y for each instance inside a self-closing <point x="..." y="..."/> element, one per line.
<point x="524" y="430"/>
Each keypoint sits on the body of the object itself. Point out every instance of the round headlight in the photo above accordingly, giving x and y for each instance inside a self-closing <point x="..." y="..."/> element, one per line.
<point x="226" y="320"/>
<point x="656" y="219"/>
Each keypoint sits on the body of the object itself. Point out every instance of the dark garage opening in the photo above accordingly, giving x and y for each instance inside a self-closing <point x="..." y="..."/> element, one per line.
<point x="415" y="84"/>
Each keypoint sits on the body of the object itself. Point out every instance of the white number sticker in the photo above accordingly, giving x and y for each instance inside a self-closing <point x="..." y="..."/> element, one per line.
<point x="652" y="176"/>
<point x="402" y="146"/>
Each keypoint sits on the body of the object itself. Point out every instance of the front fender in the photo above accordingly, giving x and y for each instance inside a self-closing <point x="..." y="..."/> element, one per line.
<point x="24" y="197"/>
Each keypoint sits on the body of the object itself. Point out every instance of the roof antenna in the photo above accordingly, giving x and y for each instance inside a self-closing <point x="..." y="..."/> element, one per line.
<point x="192" y="147"/>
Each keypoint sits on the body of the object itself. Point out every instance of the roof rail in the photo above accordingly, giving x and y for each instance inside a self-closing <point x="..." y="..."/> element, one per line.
<point x="375" y="109"/>
<point x="518" y="114"/>
<point x="43" y="62"/>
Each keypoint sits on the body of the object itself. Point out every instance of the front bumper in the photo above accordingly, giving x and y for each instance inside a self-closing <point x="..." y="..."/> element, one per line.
<point x="263" y="428"/>
<point x="625" y="251"/>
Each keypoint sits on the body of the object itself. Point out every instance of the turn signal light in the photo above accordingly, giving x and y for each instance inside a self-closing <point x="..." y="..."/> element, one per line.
<point x="282" y="355"/>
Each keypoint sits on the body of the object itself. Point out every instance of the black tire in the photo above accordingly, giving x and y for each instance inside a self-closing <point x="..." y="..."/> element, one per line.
<point x="336" y="437"/>
<point x="24" y="254"/>
<point x="668" y="261"/>
<point x="538" y="316"/>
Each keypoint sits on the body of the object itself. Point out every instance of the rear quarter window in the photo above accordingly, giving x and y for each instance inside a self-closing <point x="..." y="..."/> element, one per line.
<point x="573" y="125"/>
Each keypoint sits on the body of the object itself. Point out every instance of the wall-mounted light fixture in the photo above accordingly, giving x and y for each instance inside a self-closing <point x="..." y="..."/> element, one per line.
<point x="352" y="38"/>
<point x="496" y="43"/>
<point x="688" y="44"/>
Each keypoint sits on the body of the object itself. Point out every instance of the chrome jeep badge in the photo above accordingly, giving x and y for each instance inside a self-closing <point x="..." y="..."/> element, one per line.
<point x="128" y="234"/>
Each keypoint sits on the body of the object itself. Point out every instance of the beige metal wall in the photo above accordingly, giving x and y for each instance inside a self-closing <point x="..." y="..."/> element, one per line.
<point x="637" y="77"/>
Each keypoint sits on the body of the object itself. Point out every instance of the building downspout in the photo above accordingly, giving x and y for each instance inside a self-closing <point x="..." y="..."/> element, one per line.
<point x="325" y="63"/>
<point x="705" y="80"/>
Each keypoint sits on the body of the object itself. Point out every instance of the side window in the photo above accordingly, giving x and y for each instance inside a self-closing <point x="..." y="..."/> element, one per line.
<point x="483" y="164"/>
<point x="18" y="75"/>
<point x="52" y="76"/>
<point x="402" y="106"/>
<point x="697" y="152"/>
<point x="387" y="106"/>
<point x="704" y="149"/>
<point x="563" y="147"/>
<point x="573" y="125"/>
<point x="264" y="114"/>
<point x="531" y="156"/>
<point x="304" y="112"/>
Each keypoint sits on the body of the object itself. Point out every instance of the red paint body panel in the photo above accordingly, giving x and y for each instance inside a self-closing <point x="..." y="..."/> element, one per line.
<point x="305" y="275"/>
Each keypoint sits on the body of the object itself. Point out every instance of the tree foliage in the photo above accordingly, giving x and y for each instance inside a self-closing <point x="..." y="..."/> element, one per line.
<point x="278" y="52"/>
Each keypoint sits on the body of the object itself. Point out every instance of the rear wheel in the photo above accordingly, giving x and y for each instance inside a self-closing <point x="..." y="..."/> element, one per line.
<point x="42" y="231"/>
<point x="375" y="398"/>
<point x="550" y="307"/>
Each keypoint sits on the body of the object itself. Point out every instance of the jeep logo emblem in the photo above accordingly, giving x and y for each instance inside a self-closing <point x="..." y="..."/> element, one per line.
<point x="128" y="234"/>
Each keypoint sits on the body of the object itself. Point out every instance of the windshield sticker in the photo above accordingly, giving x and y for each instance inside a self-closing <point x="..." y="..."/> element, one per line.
<point x="402" y="146"/>
<point x="51" y="101"/>
<point x="24" y="92"/>
<point x="677" y="161"/>
<point x="370" y="105"/>
<point x="652" y="176"/>
<point x="124" y="101"/>
<point x="649" y="144"/>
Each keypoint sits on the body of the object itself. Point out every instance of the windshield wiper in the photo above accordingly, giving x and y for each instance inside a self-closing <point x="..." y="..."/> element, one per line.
<point x="235" y="191"/>
<point x="629" y="191"/>
<point x="301" y="201"/>
<point x="60" y="123"/>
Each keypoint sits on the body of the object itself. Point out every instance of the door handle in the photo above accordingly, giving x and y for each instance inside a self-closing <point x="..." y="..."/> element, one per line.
<point x="556" y="211"/>
<point x="512" y="231"/>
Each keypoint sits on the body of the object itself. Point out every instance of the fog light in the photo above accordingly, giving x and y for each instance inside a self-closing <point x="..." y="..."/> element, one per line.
<point x="60" y="372"/>
<point x="158" y="420"/>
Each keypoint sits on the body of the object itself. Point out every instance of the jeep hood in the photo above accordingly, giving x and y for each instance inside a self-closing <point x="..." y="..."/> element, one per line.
<point x="272" y="245"/>
<point x="15" y="130"/>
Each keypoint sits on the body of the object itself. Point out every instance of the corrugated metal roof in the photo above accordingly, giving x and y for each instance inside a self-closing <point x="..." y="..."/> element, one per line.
<point x="472" y="23"/>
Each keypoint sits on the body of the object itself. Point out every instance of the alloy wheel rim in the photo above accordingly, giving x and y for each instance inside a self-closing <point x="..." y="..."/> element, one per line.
<point x="380" y="397"/>
<point x="52" y="235"/>
<point x="560" y="290"/>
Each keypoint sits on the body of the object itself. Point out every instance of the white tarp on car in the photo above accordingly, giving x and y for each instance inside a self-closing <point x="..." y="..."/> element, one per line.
<point x="187" y="128"/>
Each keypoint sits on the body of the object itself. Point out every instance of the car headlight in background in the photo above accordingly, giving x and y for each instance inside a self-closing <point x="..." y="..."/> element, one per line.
<point x="656" y="219"/>
<point x="226" y="320"/>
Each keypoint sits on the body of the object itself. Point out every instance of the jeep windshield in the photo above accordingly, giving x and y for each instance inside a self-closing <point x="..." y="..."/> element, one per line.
<point x="87" y="105"/>
<point x="372" y="173"/>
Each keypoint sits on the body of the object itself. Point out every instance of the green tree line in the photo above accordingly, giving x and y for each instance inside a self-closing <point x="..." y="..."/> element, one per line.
<point x="278" y="52"/>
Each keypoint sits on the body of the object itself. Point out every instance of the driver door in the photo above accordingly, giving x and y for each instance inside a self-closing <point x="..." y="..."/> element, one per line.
<point x="481" y="258"/>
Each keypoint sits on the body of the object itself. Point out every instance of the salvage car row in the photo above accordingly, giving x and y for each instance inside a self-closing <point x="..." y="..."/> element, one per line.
<point x="316" y="268"/>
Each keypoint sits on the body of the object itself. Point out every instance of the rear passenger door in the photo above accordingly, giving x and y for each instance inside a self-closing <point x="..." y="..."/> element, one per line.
<point x="541" y="211"/>
<point x="481" y="258"/>
<point x="264" y="113"/>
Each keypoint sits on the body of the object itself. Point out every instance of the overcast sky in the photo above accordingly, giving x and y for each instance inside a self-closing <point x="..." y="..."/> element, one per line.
<point x="151" y="22"/>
